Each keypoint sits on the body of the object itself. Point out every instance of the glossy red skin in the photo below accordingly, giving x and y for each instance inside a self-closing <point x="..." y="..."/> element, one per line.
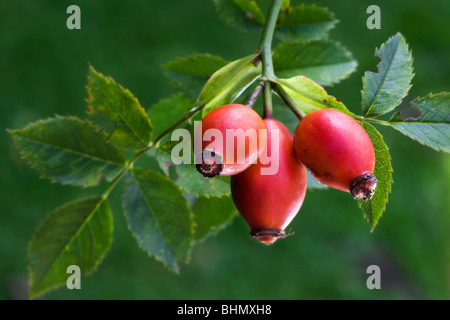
<point x="334" y="147"/>
<point x="234" y="116"/>
<point x="271" y="201"/>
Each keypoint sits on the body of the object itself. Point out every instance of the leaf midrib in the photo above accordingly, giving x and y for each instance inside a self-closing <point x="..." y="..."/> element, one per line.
<point x="447" y="98"/>
<point x="379" y="89"/>
<point x="84" y="155"/>
<point x="71" y="239"/>
<point x="416" y="122"/>
<point x="436" y="146"/>
<point x="152" y="211"/>
<point x="122" y="117"/>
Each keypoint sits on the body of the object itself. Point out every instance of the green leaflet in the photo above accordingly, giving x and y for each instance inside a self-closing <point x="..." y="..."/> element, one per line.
<point x="167" y="111"/>
<point x="251" y="10"/>
<point x="159" y="217"/>
<point x="191" y="181"/>
<point x="228" y="83"/>
<point x="245" y="15"/>
<point x="212" y="215"/>
<point x="200" y="65"/>
<point x="373" y="209"/>
<point x="431" y="127"/>
<point x="78" y="233"/>
<point x="69" y="151"/>
<point x="325" y="61"/>
<point x="109" y="104"/>
<point x="304" y="23"/>
<point x="309" y="96"/>
<point x="190" y="73"/>
<point x="383" y="91"/>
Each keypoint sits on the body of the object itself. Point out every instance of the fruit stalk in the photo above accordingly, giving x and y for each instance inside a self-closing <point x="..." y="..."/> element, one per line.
<point x="255" y="94"/>
<point x="267" y="101"/>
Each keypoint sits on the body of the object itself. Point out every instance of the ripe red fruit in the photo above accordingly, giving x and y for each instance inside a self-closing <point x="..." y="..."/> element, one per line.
<point x="268" y="203"/>
<point x="337" y="151"/>
<point x="244" y="122"/>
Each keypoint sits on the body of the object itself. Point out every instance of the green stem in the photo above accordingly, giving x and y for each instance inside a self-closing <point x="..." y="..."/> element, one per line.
<point x="129" y="164"/>
<point x="189" y="115"/>
<point x="265" y="45"/>
<point x="115" y="182"/>
<point x="378" y="121"/>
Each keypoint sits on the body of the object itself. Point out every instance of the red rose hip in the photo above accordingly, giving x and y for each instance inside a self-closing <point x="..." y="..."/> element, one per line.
<point x="231" y="140"/>
<point x="268" y="196"/>
<point x="337" y="151"/>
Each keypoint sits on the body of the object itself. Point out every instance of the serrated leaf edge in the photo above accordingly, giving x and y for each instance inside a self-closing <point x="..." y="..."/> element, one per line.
<point x="97" y="263"/>
<point x="377" y="50"/>
<point x="191" y="217"/>
<point x="339" y="45"/>
<point x="128" y="93"/>
<point x="193" y="56"/>
<point x="23" y="155"/>
<point x="373" y="223"/>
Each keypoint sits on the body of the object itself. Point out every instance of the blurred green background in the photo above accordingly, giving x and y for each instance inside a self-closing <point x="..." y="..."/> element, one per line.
<point x="43" y="68"/>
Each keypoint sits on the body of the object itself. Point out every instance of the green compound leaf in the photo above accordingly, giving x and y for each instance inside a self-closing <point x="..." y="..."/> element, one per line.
<point x="212" y="215"/>
<point x="191" y="181"/>
<point x="110" y="105"/>
<point x="431" y="126"/>
<point x="189" y="74"/>
<point x="159" y="217"/>
<point x="309" y="96"/>
<point x="228" y="83"/>
<point x="373" y="209"/>
<point x="325" y="61"/>
<point x="79" y="233"/>
<point x="167" y="111"/>
<point x="383" y="91"/>
<point x="244" y="15"/>
<point x="304" y="23"/>
<point x="68" y="150"/>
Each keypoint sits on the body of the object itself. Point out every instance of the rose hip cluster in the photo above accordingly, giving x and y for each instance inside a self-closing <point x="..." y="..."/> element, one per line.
<point x="330" y="144"/>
